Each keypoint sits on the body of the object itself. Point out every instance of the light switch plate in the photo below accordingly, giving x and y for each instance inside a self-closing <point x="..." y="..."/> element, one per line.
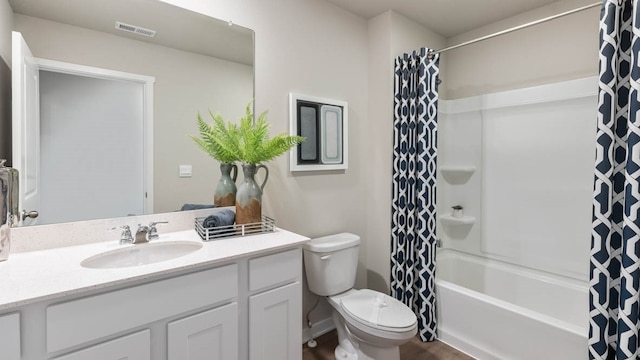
<point x="185" y="170"/>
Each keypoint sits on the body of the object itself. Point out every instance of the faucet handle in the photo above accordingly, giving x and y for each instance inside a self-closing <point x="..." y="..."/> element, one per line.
<point x="125" y="236"/>
<point x="153" y="231"/>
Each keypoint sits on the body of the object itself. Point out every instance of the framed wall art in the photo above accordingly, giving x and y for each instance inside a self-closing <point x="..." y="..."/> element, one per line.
<point x="324" y="124"/>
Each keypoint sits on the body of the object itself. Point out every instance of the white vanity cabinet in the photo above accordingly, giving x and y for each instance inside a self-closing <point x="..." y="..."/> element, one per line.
<point x="245" y="308"/>
<point x="275" y="308"/>
<point x="10" y="336"/>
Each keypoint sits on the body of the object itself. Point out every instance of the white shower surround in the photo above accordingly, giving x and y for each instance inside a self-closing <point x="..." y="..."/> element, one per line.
<point x="533" y="150"/>
<point x="513" y="284"/>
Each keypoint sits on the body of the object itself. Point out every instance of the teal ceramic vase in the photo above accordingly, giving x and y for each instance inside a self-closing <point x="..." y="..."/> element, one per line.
<point x="225" y="191"/>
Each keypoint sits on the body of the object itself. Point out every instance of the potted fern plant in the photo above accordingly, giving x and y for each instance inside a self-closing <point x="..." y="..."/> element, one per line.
<point x="220" y="140"/>
<point x="247" y="142"/>
<point x="254" y="148"/>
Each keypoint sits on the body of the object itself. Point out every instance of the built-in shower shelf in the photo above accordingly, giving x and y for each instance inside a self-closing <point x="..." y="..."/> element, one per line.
<point x="457" y="227"/>
<point x="449" y="220"/>
<point x="457" y="175"/>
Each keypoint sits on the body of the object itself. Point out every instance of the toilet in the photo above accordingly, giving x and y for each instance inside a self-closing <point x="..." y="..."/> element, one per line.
<point x="370" y="325"/>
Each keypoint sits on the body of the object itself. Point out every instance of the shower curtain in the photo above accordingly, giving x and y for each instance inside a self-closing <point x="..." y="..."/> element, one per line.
<point x="614" y="294"/>
<point x="413" y="232"/>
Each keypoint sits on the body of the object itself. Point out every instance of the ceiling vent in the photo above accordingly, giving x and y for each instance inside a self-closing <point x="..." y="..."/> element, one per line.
<point x="135" y="29"/>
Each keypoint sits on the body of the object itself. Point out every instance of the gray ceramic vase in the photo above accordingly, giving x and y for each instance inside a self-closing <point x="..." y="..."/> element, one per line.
<point x="249" y="195"/>
<point x="225" y="192"/>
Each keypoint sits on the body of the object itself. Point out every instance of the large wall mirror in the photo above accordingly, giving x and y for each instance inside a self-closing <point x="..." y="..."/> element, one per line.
<point x="198" y="63"/>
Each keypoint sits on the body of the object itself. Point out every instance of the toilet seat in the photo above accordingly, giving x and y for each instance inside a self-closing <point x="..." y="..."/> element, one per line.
<point x="378" y="311"/>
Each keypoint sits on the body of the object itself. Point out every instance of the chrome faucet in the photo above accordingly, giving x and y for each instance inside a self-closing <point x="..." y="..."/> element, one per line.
<point x="125" y="236"/>
<point x="153" y="231"/>
<point x="142" y="235"/>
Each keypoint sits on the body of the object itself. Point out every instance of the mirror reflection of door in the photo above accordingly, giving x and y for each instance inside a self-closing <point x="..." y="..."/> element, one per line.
<point x="94" y="130"/>
<point x="90" y="147"/>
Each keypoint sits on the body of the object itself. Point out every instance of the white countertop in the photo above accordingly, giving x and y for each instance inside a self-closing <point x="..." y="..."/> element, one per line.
<point x="28" y="277"/>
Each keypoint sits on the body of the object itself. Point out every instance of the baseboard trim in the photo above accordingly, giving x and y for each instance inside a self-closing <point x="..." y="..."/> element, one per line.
<point x="319" y="328"/>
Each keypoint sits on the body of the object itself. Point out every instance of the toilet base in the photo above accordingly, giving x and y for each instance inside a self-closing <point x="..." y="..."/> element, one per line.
<point x="342" y="354"/>
<point x="361" y="354"/>
<point x="351" y="347"/>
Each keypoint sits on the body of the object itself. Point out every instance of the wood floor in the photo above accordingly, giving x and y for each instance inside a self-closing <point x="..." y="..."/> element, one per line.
<point x="413" y="350"/>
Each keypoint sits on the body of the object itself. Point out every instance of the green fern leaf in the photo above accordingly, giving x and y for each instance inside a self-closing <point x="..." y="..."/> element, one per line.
<point x="247" y="141"/>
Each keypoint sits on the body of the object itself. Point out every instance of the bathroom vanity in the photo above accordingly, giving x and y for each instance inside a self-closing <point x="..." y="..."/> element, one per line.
<point x="237" y="298"/>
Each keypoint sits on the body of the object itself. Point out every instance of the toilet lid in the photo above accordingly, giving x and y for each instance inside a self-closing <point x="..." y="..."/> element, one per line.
<point x="378" y="309"/>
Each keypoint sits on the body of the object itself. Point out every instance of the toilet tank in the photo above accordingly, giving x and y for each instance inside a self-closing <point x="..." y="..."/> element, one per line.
<point x="331" y="262"/>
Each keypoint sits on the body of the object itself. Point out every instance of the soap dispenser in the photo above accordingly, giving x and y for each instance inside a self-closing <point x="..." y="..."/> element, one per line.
<point x="8" y="206"/>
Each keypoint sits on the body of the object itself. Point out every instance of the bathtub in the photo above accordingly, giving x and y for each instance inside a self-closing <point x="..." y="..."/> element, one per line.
<point x="494" y="310"/>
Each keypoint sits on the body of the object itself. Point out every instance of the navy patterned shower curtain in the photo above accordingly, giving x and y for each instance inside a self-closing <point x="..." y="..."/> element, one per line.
<point x="413" y="232"/>
<point x="614" y="295"/>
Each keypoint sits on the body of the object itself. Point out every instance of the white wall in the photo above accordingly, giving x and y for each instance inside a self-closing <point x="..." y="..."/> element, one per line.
<point x="558" y="50"/>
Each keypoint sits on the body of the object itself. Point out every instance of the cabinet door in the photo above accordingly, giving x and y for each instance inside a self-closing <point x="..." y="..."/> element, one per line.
<point x="274" y="324"/>
<point x="10" y="337"/>
<point x="136" y="346"/>
<point x="210" y="335"/>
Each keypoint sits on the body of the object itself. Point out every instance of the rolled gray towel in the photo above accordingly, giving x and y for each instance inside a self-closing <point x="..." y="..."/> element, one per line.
<point x="186" y="207"/>
<point x="224" y="217"/>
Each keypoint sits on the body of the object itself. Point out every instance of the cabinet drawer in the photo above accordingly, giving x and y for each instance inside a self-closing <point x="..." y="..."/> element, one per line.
<point x="131" y="347"/>
<point x="10" y="336"/>
<point x="79" y="321"/>
<point x="275" y="269"/>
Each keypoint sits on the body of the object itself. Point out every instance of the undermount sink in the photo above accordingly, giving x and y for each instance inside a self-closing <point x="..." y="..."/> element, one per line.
<point x="141" y="254"/>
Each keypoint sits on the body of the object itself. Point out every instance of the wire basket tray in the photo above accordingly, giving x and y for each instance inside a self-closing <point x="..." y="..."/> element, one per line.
<point x="267" y="225"/>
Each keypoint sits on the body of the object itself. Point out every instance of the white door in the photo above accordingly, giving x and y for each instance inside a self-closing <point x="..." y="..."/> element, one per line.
<point x="91" y="147"/>
<point x="25" y="125"/>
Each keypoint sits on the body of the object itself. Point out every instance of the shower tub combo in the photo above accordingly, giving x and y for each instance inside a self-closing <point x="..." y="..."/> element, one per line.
<point x="512" y="272"/>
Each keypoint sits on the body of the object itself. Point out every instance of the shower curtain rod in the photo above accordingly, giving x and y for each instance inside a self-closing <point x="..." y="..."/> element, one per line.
<point x="486" y="37"/>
